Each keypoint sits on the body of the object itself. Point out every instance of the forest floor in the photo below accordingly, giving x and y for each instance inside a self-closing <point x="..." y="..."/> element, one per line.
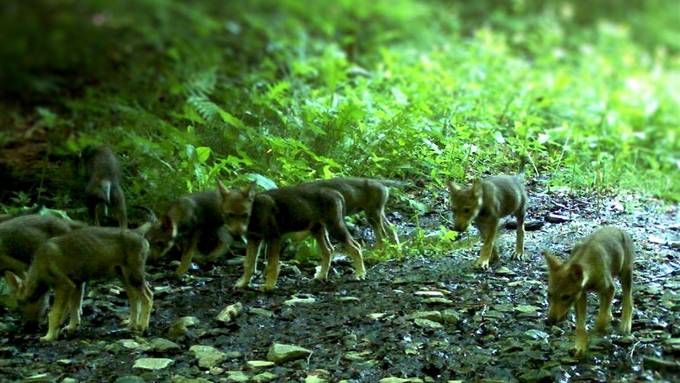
<point x="431" y="316"/>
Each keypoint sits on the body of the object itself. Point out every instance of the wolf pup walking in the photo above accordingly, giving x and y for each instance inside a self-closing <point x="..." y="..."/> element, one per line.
<point x="594" y="262"/>
<point x="268" y="216"/>
<point x="367" y="195"/>
<point x="66" y="262"/>
<point x="485" y="203"/>
<point x="103" y="191"/>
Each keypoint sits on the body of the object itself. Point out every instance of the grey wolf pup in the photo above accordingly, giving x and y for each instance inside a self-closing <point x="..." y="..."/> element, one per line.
<point x="191" y="220"/>
<point x="268" y="216"/>
<point x="66" y="262"/>
<point x="485" y="203"/>
<point x="367" y="195"/>
<point x="19" y="239"/>
<point x="594" y="263"/>
<point x="103" y="192"/>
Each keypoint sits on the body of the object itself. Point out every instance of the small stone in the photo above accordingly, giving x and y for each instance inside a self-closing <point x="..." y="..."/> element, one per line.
<point x="438" y="300"/>
<point x="133" y="345"/>
<point x="129" y="379"/>
<point x="505" y="271"/>
<point x="152" y="363"/>
<point x="429" y="293"/>
<point x="237" y="376"/>
<point x="180" y="327"/>
<point x="230" y="312"/>
<point x="536" y="376"/>
<point x="435" y="316"/>
<point x="162" y="345"/>
<point x="216" y="371"/>
<point x="394" y="379"/>
<point x="69" y="380"/>
<point x="300" y="301"/>
<point x="426" y="323"/>
<point x="349" y="299"/>
<point x="281" y="353"/>
<point x="450" y="316"/>
<point x="208" y="356"/>
<point x="261" y="312"/>
<point x="259" y="364"/>
<point x="264" y="377"/>
<point x="526" y="309"/>
<point x="376" y="316"/>
<point x="38" y="378"/>
<point x="65" y="362"/>
<point x="183" y="379"/>
<point x="357" y="356"/>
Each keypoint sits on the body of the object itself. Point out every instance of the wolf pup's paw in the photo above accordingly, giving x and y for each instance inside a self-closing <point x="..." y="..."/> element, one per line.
<point x="48" y="338"/>
<point x="360" y="276"/>
<point x="267" y="288"/>
<point x="517" y="255"/>
<point x="482" y="264"/>
<point x="241" y="283"/>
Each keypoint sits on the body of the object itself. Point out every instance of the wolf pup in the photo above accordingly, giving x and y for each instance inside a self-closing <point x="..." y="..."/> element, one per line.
<point x="190" y="220"/>
<point x="367" y="195"/>
<point x="66" y="262"/>
<point x="594" y="262"/>
<point x="103" y="191"/>
<point x="485" y="203"/>
<point x="20" y="237"/>
<point x="268" y="216"/>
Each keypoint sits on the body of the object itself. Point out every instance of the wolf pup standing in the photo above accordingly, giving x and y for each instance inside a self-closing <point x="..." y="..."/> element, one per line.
<point x="367" y="195"/>
<point x="268" y="216"/>
<point x="20" y="237"/>
<point x="103" y="192"/>
<point x="191" y="220"/>
<point x="594" y="262"/>
<point x="485" y="203"/>
<point x="66" y="262"/>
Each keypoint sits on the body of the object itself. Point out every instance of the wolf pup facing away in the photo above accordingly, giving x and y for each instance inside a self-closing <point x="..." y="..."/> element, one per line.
<point x="103" y="192"/>
<point x="485" y="203"/>
<point x="268" y="216"/>
<point x="190" y="220"/>
<point x="20" y="237"/>
<point x="594" y="262"/>
<point x="367" y="195"/>
<point x="66" y="262"/>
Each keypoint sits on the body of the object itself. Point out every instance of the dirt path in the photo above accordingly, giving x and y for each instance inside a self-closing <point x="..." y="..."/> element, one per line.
<point x="427" y="316"/>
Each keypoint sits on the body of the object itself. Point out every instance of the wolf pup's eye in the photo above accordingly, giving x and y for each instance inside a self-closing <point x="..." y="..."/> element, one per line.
<point x="565" y="297"/>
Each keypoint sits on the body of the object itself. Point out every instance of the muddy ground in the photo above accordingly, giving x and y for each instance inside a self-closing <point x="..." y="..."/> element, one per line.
<point x="490" y="324"/>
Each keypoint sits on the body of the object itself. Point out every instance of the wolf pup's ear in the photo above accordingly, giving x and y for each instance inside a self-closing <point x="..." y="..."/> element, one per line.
<point x="250" y="190"/>
<point x="453" y="187"/>
<point x="552" y="261"/>
<point x="477" y="187"/>
<point x="13" y="280"/>
<point x="577" y="274"/>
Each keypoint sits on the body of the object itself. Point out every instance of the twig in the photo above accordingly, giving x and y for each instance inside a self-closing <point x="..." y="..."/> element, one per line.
<point x="630" y="356"/>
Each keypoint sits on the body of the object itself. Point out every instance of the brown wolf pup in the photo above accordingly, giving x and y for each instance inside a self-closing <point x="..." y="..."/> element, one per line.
<point x="103" y="191"/>
<point x="594" y="263"/>
<point x="268" y="216"/>
<point x="31" y="211"/>
<point x="485" y="203"/>
<point x="192" y="219"/>
<point x="66" y="262"/>
<point x="368" y="195"/>
<point x="20" y="237"/>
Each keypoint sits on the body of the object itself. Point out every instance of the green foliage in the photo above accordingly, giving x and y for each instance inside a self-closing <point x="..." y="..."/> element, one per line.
<point x="286" y="91"/>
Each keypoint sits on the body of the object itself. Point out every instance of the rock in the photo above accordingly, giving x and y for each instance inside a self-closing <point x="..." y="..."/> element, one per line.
<point x="281" y="353"/>
<point x="300" y="301"/>
<point x="208" y="356"/>
<point x="429" y="293"/>
<point x="259" y="364"/>
<point x="555" y="218"/>
<point x="376" y="316"/>
<point x="504" y="271"/>
<point x="69" y="380"/>
<point x="133" y="345"/>
<point x="38" y="378"/>
<point x="536" y="334"/>
<point x="450" y="316"/>
<point x="435" y="316"/>
<point x="318" y="376"/>
<point x="438" y="300"/>
<point x="264" y="377"/>
<point x="393" y="379"/>
<point x="237" y="376"/>
<point x="357" y="356"/>
<point x="315" y="379"/>
<point x="261" y="312"/>
<point x="162" y="345"/>
<point x="216" y="371"/>
<point x="129" y="379"/>
<point x="660" y="364"/>
<point x="349" y="299"/>
<point x="426" y="323"/>
<point x="180" y="327"/>
<point x="152" y="363"/>
<point x="230" y="312"/>
<point x="183" y="379"/>
<point x="526" y="309"/>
